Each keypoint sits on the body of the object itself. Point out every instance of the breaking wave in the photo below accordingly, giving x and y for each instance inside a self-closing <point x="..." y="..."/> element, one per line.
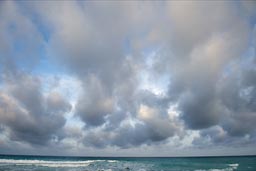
<point x="235" y="165"/>
<point x="231" y="167"/>
<point x="48" y="163"/>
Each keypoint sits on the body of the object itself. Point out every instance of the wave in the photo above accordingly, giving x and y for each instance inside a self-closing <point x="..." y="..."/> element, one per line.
<point x="235" y="165"/>
<point x="48" y="163"/>
<point x="111" y="161"/>
<point x="232" y="167"/>
<point x="226" y="169"/>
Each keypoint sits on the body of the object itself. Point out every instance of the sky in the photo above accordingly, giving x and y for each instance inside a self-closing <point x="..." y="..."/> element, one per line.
<point x="128" y="78"/>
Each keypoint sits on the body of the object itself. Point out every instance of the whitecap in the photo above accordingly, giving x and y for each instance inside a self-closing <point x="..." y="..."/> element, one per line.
<point x="225" y="169"/>
<point x="48" y="163"/>
<point x="234" y="165"/>
<point x="112" y="161"/>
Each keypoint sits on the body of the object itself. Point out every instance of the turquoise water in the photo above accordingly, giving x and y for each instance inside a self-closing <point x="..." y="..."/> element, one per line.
<point x="46" y="163"/>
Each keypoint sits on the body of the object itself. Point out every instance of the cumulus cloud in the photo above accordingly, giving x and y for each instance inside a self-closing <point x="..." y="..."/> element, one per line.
<point x="209" y="50"/>
<point x="110" y="94"/>
<point x="95" y="104"/>
<point x="203" y="54"/>
<point x="29" y="115"/>
<point x="239" y="99"/>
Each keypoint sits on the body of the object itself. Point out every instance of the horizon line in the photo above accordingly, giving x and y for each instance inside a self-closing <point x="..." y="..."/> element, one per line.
<point x="192" y="156"/>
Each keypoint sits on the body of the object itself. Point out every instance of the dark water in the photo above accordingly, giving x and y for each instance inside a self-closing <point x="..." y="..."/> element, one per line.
<point x="45" y="163"/>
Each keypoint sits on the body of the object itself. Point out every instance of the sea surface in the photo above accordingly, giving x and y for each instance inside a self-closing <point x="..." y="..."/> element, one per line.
<point x="47" y="163"/>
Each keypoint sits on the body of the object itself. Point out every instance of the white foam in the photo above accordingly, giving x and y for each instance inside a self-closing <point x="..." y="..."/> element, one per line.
<point x="112" y="161"/>
<point x="231" y="167"/>
<point x="48" y="163"/>
<point x="235" y="165"/>
<point x="213" y="170"/>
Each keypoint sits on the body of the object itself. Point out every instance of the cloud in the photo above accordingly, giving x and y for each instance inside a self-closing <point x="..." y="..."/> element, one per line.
<point x="110" y="77"/>
<point x="123" y="54"/>
<point x="239" y="99"/>
<point x="20" y="39"/>
<point x="28" y="115"/>
<point x="95" y="104"/>
<point x="195" y="79"/>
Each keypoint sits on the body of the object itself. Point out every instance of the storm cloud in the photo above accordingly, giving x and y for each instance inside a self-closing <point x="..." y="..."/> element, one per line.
<point x="144" y="74"/>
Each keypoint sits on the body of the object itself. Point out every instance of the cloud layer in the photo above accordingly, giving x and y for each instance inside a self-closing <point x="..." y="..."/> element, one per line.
<point x="144" y="75"/>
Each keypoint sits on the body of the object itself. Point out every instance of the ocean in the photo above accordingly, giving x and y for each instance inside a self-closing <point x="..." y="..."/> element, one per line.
<point x="48" y="163"/>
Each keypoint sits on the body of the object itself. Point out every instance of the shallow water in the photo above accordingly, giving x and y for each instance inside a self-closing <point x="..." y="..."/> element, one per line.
<point x="46" y="163"/>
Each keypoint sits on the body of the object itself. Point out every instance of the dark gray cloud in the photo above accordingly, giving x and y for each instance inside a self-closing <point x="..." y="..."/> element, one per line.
<point x="149" y="124"/>
<point x="218" y="137"/>
<point x="238" y="95"/>
<point x="142" y="134"/>
<point x="28" y="114"/>
<point x="95" y="104"/>
<point x="127" y="136"/>
<point x="195" y="79"/>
